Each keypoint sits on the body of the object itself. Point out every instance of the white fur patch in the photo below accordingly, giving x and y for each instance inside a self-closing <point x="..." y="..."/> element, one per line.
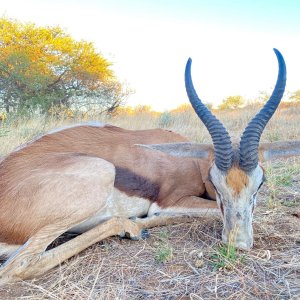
<point x="117" y="205"/>
<point x="228" y="194"/>
<point x="177" y="210"/>
<point x="6" y="249"/>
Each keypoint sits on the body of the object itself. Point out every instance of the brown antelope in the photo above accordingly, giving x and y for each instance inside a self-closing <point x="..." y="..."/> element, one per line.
<point x="92" y="179"/>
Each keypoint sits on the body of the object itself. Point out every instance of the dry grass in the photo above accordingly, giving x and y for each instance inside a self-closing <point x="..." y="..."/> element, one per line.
<point x="180" y="262"/>
<point x="284" y="125"/>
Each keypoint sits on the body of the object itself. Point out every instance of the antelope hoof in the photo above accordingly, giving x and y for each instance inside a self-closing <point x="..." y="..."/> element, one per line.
<point x="141" y="235"/>
<point x="12" y="272"/>
<point x="145" y="234"/>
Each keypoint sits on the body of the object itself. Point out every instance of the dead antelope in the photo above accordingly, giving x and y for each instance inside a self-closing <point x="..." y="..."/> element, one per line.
<point x="91" y="179"/>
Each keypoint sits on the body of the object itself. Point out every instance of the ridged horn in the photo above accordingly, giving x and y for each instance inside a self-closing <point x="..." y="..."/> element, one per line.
<point x="250" y="139"/>
<point x="221" y="139"/>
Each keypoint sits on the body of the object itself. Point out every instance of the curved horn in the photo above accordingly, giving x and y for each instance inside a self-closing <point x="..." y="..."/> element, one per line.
<point x="251" y="136"/>
<point x="221" y="139"/>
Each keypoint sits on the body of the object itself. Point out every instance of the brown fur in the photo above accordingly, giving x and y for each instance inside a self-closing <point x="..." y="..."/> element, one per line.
<point x="237" y="179"/>
<point x="21" y="172"/>
<point x="27" y="203"/>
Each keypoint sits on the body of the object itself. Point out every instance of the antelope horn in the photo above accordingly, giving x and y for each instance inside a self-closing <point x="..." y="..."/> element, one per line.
<point x="221" y="139"/>
<point x="250" y="138"/>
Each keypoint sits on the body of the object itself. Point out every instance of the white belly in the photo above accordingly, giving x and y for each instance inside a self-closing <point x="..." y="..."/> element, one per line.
<point x="117" y="205"/>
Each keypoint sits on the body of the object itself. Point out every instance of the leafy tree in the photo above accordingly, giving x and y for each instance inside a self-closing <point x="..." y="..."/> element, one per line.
<point x="142" y="109"/>
<point x="295" y="96"/>
<point x="42" y="67"/>
<point x="232" y="102"/>
<point x="165" y="119"/>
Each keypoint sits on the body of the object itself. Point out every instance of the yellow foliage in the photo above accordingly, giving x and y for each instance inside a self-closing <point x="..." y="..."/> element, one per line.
<point x="124" y="110"/>
<point x="50" y="47"/>
<point x="232" y="102"/>
<point x="185" y="107"/>
<point x="42" y="62"/>
<point x="3" y="116"/>
<point x="61" y="112"/>
<point x="133" y="111"/>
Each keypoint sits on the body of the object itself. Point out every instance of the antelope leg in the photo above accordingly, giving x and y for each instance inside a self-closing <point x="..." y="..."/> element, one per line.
<point x="28" y="263"/>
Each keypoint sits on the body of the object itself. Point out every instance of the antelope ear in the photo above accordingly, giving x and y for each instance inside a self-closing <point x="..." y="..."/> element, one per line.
<point x="274" y="150"/>
<point x="183" y="149"/>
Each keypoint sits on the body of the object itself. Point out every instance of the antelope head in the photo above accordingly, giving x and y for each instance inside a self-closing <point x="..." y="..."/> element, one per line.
<point x="235" y="172"/>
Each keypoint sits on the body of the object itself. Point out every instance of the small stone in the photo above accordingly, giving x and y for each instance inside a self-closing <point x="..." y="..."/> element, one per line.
<point x="193" y="252"/>
<point x="196" y="253"/>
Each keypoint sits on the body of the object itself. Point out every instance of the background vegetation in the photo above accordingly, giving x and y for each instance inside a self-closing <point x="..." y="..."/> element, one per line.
<point x="43" y="70"/>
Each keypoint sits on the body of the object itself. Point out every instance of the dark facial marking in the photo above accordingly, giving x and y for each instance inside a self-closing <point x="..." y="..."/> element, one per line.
<point x="222" y="208"/>
<point x="133" y="184"/>
<point x="261" y="185"/>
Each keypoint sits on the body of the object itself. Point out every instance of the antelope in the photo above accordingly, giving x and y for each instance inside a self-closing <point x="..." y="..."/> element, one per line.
<point x="100" y="180"/>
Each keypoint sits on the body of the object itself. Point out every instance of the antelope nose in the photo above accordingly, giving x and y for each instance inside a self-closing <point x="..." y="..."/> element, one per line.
<point x="241" y="242"/>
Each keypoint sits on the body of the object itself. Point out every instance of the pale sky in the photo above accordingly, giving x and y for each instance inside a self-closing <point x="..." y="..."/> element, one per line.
<point x="149" y="42"/>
